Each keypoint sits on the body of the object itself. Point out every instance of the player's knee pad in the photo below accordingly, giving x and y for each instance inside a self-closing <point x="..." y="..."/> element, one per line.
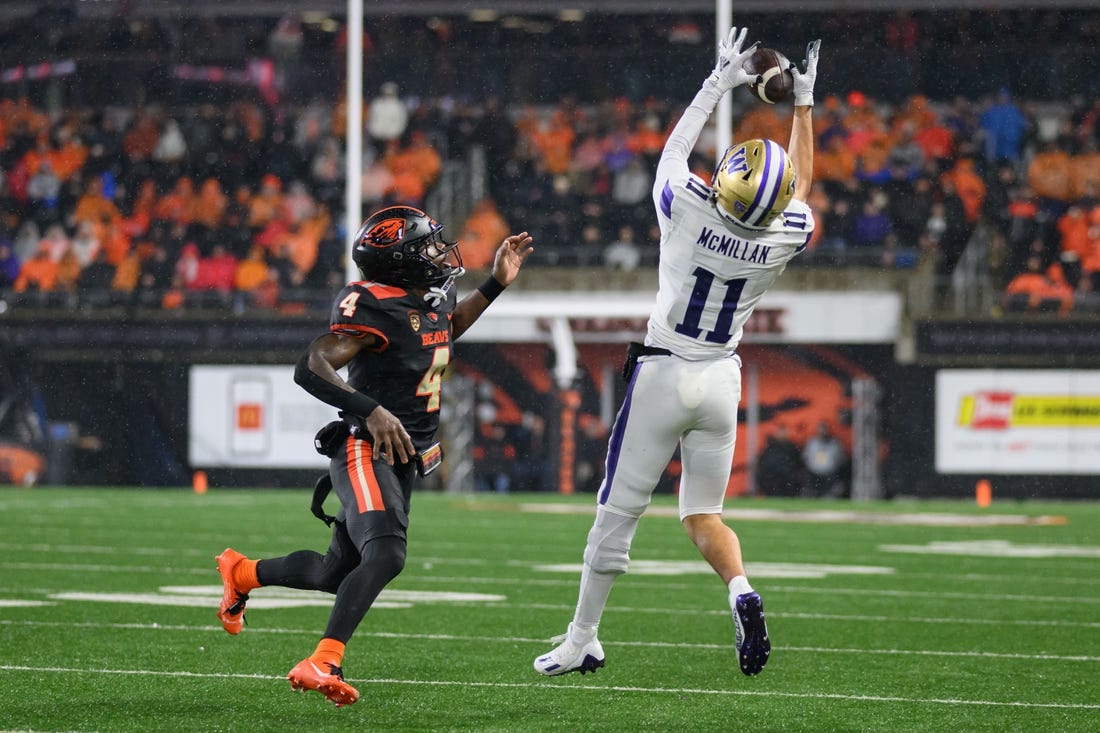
<point x="608" y="548"/>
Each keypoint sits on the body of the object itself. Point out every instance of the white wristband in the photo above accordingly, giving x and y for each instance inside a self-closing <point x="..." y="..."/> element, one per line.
<point x="804" y="100"/>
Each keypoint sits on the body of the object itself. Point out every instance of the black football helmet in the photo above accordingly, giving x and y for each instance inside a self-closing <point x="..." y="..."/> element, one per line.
<point x="392" y="247"/>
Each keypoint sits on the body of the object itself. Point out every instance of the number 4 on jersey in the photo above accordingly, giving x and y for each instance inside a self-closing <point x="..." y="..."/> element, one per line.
<point x="432" y="382"/>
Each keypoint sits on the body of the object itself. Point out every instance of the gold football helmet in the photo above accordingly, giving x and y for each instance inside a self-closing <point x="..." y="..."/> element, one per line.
<point x="753" y="183"/>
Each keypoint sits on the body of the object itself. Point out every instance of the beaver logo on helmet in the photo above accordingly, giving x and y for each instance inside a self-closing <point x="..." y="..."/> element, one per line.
<point x="403" y="246"/>
<point x="386" y="232"/>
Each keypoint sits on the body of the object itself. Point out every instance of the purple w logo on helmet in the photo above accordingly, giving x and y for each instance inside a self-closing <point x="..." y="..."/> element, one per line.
<point x="738" y="162"/>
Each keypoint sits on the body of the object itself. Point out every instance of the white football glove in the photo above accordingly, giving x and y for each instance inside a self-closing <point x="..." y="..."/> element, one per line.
<point x="804" y="80"/>
<point x="730" y="72"/>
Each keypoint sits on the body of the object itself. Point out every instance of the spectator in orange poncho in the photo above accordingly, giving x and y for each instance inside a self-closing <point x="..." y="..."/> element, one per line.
<point x="1090" y="263"/>
<point x="33" y="159"/>
<point x="482" y="233"/>
<point x="1084" y="171"/>
<point x="1048" y="174"/>
<point x="554" y="141"/>
<point x="934" y="140"/>
<point x="267" y="202"/>
<point x="647" y="139"/>
<point x="127" y="273"/>
<point x="68" y="271"/>
<point x="114" y="242"/>
<point x="1040" y="285"/>
<point x="1073" y="226"/>
<point x="1058" y="288"/>
<point x="38" y="273"/>
<point x="176" y="206"/>
<point x="93" y="206"/>
<point x="969" y="187"/>
<point x="208" y="208"/>
<point x="836" y="162"/>
<point x="407" y="187"/>
<point x="423" y="159"/>
<point x="862" y="122"/>
<point x="252" y="271"/>
<point x="302" y="243"/>
<point x="141" y="213"/>
<point x="915" y="114"/>
<point x="874" y="156"/>
<point x="69" y="158"/>
<point x="763" y="121"/>
<point x="23" y="119"/>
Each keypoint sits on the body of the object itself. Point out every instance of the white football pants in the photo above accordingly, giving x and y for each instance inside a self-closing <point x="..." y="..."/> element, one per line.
<point x="672" y="400"/>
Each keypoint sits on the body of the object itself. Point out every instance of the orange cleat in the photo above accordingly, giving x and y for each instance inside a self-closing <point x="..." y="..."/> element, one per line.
<point x="308" y="675"/>
<point x="231" y="610"/>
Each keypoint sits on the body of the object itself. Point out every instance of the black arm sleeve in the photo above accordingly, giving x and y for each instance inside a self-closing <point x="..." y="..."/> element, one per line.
<point x="355" y="403"/>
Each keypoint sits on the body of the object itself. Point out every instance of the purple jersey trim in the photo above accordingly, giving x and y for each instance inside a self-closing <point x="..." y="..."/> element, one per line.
<point x="666" y="200"/>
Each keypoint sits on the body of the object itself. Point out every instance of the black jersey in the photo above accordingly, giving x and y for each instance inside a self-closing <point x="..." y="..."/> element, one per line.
<point x="404" y="372"/>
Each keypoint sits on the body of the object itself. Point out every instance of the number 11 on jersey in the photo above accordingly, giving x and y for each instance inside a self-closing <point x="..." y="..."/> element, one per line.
<point x="700" y="294"/>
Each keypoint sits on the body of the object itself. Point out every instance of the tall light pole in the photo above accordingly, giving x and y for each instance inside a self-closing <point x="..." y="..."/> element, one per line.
<point x="353" y="166"/>
<point x="723" y="19"/>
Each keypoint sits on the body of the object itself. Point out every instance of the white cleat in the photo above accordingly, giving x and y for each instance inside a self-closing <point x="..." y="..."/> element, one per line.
<point x="571" y="655"/>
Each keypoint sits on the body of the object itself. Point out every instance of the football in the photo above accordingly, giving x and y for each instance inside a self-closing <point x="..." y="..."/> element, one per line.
<point x="774" y="81"/>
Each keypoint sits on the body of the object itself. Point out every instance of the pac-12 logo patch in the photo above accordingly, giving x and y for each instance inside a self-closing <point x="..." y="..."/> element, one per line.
<point x="414" y="321"/>
<point x="386" y="232"/>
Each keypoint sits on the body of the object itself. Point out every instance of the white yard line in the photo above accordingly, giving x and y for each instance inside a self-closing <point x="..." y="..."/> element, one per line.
<point x="768" y="588"/>
<point x="548" y="685"/>
<point x="97" y="568"/>
<point x="527" y="640"/>
<point x="829" y="516"/>
<point x="100" y="549"/>
<point x="572" y="582"/>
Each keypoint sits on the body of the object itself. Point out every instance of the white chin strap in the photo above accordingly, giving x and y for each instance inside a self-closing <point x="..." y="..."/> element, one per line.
<point x="436" y="295"/>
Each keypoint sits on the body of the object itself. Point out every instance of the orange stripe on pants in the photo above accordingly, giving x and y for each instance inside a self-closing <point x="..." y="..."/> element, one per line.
<point x="368" y="497"/>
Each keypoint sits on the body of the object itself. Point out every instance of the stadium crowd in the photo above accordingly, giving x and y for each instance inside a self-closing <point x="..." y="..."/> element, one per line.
<point x="176" y="202"/>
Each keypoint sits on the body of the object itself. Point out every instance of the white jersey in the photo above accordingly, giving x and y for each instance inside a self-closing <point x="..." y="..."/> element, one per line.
<point x="711" y="274"/>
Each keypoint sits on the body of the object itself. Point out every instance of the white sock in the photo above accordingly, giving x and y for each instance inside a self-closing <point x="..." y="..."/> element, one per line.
<point x="595" y="588"/>
<point x="739" y="586"/>
<point x="581" y="634"/>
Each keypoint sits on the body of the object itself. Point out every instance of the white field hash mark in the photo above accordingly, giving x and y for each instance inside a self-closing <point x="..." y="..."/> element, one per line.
<point x="549" y="685"/>
<point x="525" y="640"/>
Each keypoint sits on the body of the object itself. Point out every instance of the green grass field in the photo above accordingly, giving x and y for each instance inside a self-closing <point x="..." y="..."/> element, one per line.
<point x="902" y="617"/>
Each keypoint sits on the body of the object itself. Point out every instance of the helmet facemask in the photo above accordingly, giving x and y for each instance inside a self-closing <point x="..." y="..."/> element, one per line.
<point x="753" y="183"/>
<point x="436" y="259"/>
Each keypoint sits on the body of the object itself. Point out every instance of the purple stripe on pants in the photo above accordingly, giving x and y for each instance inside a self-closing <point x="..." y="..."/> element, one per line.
<point x="615" y="445"/>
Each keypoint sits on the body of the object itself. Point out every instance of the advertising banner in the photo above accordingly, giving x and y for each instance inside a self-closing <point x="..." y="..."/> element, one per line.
<point x="253" y="417"/>
<point x="1002" y="421"/>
